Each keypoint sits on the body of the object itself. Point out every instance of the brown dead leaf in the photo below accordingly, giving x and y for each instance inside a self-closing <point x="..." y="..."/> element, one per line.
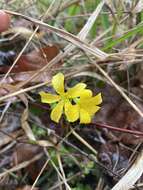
<point x="23" y="76"/>
<point x="25" y="152"/>
<point x="34" y="60"/>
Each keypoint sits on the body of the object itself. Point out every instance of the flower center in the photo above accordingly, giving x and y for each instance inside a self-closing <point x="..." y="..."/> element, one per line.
<point x="64" y="96"/>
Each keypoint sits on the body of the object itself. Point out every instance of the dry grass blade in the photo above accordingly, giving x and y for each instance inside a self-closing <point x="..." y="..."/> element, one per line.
<point x="5" y="110"/>
<point x="24" y="119"/>
<point x="26" y="126"/>
<point x="83" y="141"/>
<point x="43" y="168"/>
<point x="83" y="33"/>
<point x="61" y="168"/>
<point x="58" y="172"/>
<point x="131" y="177"/>
<point x="44" y="143"/>
<point x="21" y="91"/>
<point x="66" y="35"/>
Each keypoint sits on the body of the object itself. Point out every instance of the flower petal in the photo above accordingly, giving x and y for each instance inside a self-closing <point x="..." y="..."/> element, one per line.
<point x="57" y="112"/>
<point x="58" y="83"/>
<point x="90" y="103"/>
<point x="49" y="98"/>
<point x="86" y="93"/>
<point x="96" y="100"/>
<point x="92" y="109"/>
<point x="76" y="90"/>
<point x="84" y="116"/>
<point x="71" y="111"/>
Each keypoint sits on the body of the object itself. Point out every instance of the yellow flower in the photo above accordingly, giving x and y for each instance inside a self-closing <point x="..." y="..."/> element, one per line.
<point x="88" y="106"/>
<point x="63" y="99"/>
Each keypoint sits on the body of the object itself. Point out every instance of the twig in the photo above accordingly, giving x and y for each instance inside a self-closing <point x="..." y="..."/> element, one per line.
<point x="133" y="132"/>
